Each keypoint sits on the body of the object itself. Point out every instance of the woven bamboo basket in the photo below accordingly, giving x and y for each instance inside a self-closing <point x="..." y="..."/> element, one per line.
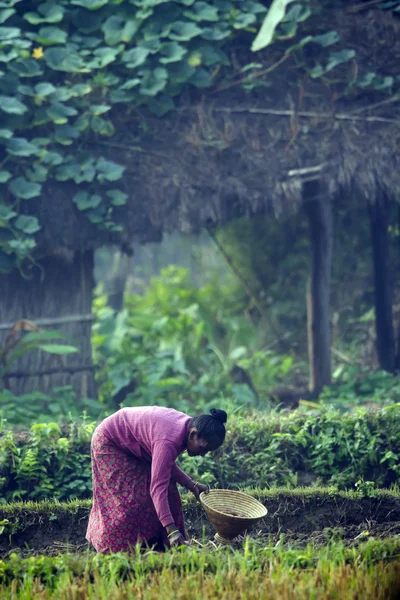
<point x="231" y="513"/>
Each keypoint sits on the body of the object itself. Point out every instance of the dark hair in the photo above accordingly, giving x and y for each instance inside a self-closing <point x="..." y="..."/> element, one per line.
<point x="211" y="427"/>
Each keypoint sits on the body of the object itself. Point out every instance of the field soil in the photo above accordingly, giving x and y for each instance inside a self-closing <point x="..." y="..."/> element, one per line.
<point x="290" y="520"/>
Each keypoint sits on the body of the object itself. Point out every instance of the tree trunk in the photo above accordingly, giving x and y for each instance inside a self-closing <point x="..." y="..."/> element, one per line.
<point x="63" y="289"/>
<point x="319" y="213"/>
<point x="397" y="282"/>
<point x="379" y="221"/>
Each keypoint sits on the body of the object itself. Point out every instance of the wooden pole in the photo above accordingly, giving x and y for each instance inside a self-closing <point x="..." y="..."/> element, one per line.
<point x="379" y="223"/>
<point x="320" y="217"/>
<point x="51" y="322"/>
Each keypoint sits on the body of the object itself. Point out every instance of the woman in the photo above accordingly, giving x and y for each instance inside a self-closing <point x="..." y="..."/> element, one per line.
<point x="135" y="497"/>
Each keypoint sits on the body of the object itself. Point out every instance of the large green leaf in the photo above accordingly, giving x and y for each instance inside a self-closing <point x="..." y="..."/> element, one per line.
<point x="57" y="348"/>
<point x="118" y="30"/>
<point x="68" y="170"/>
<point x="6" y="133"/>
<point x="201" y="11"/>
<point x="135" y="57"/>
<point x="4" y="176"/>
<point x="66" y="134"/>
<point x="99" y="109"/>
<point x="337" y="58"/>
<point x="118" y="198"/>
<point x="6" y="213"/>
<point x="218" y="32"/>
<point x="172" y="52"/>
<point x="326" y="39"/>
<point x="104" y="56"/>
<point x="210" y="54"/>
<point x="274" y="16"/>
<point x="59" y="113"/>
<point x="109" y="170"/>
<point x="84" y="201"/>
<point x="6" y="13"/>
<point x="24" y="189"/>
<point x="62" y="59"/>
<point x="37" y="173"/>
<point x="183" y="31"/>
<point x="28" y="67"/>
<point x="21" y="147"/>
<point x="90" y="4"/>
<point x="244" y="20"/>
<point x="12" y="106"/>
<point x="102" y="126"/>
<point x="27" y="224"/>
<point x="51" y="35"/>
<point x="53" y="158"/>
<point x="49" y="12"/>
<point x="8" y="33"/>
<point x="44" y="335"/>
<point x="153" y="81"/>
<point x="130" y="83"/>
<point x="44" y="89"/>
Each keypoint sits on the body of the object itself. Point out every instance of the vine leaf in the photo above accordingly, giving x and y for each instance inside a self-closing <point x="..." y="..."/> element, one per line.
<point x="27" y="224"/>
<point x="24" y="189"/>
<point x="273" y="17"/>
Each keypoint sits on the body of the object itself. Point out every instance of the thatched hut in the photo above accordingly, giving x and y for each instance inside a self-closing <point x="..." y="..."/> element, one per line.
<point x="227" y="153"/>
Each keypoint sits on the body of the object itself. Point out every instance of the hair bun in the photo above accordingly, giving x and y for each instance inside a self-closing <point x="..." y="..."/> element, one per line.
<point x="218" y="414"/>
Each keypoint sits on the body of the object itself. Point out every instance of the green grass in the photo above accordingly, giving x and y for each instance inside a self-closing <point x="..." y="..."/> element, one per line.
<point x="48" y="507"/>
<point x="208" y="572"/>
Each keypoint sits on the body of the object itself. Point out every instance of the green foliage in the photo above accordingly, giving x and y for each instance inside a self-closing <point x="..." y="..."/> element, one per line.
<point x="49" y="465"/>
<point x="256" y="570"/>
<point x="324" y="447"/>
<point x="354" y="386"/>
<point x="18" y="343"/>
<point x="62" y="404"/>
<point x="176" y="345"/>
<point x="274" y="16"/>
<point x="66" y="65"/>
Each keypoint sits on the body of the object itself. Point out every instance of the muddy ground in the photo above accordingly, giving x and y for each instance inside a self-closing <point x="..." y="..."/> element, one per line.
<point x="299" y="520"/>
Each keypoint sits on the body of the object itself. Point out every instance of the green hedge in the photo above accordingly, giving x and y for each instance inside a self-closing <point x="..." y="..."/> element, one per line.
<point x="260" y="451"/>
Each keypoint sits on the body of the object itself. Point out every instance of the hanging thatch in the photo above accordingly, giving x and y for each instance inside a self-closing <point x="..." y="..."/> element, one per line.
<point x="228" y="153"/>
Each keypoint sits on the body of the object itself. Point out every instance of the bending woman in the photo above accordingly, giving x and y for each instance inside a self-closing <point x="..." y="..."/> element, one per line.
<point x="135" y="497"/>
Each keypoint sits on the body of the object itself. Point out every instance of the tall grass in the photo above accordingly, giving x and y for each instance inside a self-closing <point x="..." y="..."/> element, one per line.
<point x="371" y="571"/>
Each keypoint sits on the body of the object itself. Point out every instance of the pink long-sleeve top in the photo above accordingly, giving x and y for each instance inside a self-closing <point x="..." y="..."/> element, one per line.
<point x="156" y="434"/>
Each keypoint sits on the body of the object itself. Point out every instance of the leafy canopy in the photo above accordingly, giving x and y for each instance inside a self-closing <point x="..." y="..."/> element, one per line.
<point x="64" y="64"/>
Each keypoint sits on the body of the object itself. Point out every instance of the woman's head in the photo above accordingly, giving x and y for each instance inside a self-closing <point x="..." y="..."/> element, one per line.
<point x="206" y="432"/>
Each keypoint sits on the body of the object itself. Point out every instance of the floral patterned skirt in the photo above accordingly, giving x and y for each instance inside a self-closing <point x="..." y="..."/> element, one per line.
<point x="123" y="513"/>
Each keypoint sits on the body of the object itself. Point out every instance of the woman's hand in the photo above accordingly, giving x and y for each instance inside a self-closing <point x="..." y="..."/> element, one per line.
<point x="177" y="540"/>
<point x="198" y="488"/>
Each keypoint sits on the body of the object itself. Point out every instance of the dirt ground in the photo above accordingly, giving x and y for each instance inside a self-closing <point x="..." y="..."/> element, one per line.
<point x="290" y="521"/>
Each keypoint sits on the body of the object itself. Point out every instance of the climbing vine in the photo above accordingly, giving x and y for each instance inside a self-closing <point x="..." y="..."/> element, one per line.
<point x="64" y="64"/>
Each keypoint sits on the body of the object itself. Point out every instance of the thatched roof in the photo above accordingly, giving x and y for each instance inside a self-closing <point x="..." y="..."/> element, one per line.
<point x="229" y="153"/>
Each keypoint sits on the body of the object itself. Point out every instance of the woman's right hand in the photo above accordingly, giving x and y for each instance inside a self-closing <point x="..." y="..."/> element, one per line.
<point x="177" y="540"/>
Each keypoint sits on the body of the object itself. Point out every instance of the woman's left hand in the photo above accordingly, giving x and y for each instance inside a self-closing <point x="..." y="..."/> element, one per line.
<point x="198" y="488"/>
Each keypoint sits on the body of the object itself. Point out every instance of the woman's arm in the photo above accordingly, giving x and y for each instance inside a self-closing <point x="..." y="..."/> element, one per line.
<point x="181" y="477"/>
<point x="162" y="460"/>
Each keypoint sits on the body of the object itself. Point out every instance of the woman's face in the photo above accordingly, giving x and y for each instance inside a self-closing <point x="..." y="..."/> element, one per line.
<point x="197" y="446"/>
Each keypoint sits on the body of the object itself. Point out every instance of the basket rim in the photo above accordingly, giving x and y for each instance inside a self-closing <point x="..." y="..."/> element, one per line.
<point x="235" y="493"/>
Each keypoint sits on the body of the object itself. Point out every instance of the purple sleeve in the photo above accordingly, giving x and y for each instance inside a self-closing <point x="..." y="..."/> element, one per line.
<point x="180" y="476"/>
<point x="163" y="458"/>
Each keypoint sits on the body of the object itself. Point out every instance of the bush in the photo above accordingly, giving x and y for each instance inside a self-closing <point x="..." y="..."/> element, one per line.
<point x="177" y="345"/>
<point x="326" y="447"/>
